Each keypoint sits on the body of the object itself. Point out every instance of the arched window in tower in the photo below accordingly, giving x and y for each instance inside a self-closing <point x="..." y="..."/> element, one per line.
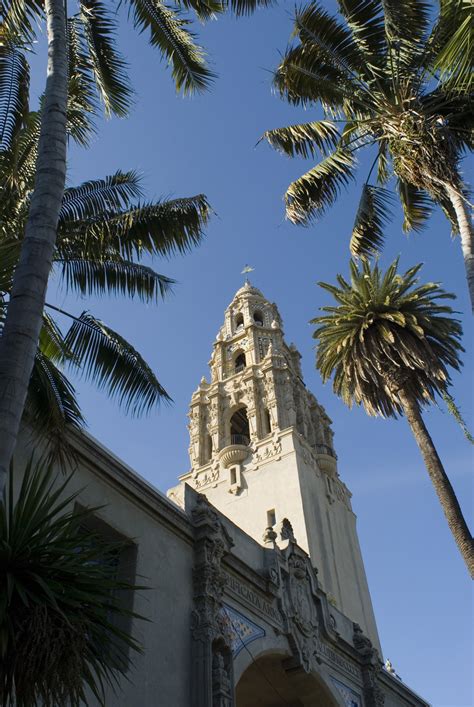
<point x="239" y="427"/>
<point x="240" y="362"/>
<point x="258" y="317"/>
<point x="239" y="321"/>
<point x="266" y="422"/>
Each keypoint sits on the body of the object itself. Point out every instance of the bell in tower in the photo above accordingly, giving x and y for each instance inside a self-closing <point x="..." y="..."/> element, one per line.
<point x="261" y="450"/>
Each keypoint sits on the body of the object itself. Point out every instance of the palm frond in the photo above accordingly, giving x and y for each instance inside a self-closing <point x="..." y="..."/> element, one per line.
<point x="372" y="215"/>
<point x="51" y="406"/>
<point x="383" y="164"/>
<point x="455" y="58"/>
<point x="9" y="255"/>
<point x="107" y="359"/>
<point x="109" y="68"/>
<point x="448" y="210"/>
<point x="416" y="204"/>
<point x="122" y="277"/>
<point x="82" y="101"/>
<point x="304" y="77"/>
<point x="406" y="27"/>
<point x="51" y="341"/>
<point x="303" y="86"/>
<point x="24" y="152"/>
<point x="366" y="23"/>
<point x="168" y="32"/>
<point x="453" y="45"/>
<point x="328" y="39"/>
<point x="247" y="7"/>
<point x="100" y="196"/>
<point x="20" y="18"/>
<point x="158" y="228"/>
<point x="80" y="126"/>
<point x="14" y="87"/>
<point x="204" y="9"/>
<point x="304" y="139"/>
<point x="313" y="193"/>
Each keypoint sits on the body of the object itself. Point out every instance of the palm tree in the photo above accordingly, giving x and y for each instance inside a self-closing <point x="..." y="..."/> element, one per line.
<point x="390" y="80"/>
<point x="81" y="56"/>
<point x="388" y="343"/>
<point x="104" y="230"/>
<point x="60" y="611"/>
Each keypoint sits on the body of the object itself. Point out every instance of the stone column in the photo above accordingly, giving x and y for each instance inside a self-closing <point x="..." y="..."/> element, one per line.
<point x="211" y="683"/>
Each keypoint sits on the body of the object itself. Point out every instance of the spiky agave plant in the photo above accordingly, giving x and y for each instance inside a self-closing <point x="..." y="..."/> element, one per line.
<point x="59" y="598"/>
<point x="388" y="344"/>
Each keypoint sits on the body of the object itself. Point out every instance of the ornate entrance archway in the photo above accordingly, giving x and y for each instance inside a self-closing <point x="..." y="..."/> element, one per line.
<point x="266" y="683"/>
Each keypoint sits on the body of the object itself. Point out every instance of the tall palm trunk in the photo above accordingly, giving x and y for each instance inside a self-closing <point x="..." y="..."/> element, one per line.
<point x="439" y="479"/>
<point x="467" y="236"/>
<point x="19" y="340"/>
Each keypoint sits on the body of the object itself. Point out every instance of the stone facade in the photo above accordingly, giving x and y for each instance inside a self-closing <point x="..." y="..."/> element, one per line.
<point x="242" y="611"/>
<point x="262" y="450"/>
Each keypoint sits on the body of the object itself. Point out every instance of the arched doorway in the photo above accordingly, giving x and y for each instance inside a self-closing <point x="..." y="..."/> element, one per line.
<point x="266" y="683"/>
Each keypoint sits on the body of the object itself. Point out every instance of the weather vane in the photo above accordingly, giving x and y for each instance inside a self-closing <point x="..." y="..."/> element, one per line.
<point x="246" y="270"/>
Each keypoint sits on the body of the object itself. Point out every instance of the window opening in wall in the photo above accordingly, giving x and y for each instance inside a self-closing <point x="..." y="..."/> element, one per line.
<point x="267" y="422"/>
<point x="258" y="317"/>
<point x="121" y="559"/>
<point x="240" y="362"/>
<point x="239" y="321"/>
<point x="239" y="427"/>
<point x="233" y="475"/>
<point x="271" y="518"/>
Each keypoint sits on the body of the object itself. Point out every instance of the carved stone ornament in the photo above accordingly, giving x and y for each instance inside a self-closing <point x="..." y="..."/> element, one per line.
<point x="212" y="543"/>
<point x="371" y="668"/>
<point x="300" y="608"/>
<point x="212" y="679"/>
<point x="286" y="530"/>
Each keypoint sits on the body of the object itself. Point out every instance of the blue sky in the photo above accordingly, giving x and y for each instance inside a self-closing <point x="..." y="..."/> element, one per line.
<point x="419" y="586"/>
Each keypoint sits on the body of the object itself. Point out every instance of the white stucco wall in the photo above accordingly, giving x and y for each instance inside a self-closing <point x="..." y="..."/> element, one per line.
<point x="164" y="564"/>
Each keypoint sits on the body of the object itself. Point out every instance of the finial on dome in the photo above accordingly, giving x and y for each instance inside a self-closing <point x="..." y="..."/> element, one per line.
<point x="247" y="269"/>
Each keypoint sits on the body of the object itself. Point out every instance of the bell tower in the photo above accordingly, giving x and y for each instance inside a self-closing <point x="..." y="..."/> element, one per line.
<point x="262" y="451"/>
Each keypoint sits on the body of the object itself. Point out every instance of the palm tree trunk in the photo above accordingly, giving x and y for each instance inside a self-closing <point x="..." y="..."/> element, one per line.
<point x="19" y="340"/>
<point x="467" y="235"/>
<point x="439" y="479"/>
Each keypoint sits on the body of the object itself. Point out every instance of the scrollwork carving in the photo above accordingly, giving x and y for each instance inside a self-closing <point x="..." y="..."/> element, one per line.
<point x="300" y="609"/>
<point x="371" y="668"/>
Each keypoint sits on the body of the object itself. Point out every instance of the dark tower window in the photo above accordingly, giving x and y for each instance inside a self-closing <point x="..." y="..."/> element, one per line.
<point x="240" y="362"/>
<point x="239" y="427"/>
<point x="258" y="317"/>
<point x="239" y="321"/>
<point x="267" y="422"/>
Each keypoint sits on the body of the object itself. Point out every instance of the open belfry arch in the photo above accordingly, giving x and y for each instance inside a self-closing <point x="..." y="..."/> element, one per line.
<point x="282" y="613"/>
